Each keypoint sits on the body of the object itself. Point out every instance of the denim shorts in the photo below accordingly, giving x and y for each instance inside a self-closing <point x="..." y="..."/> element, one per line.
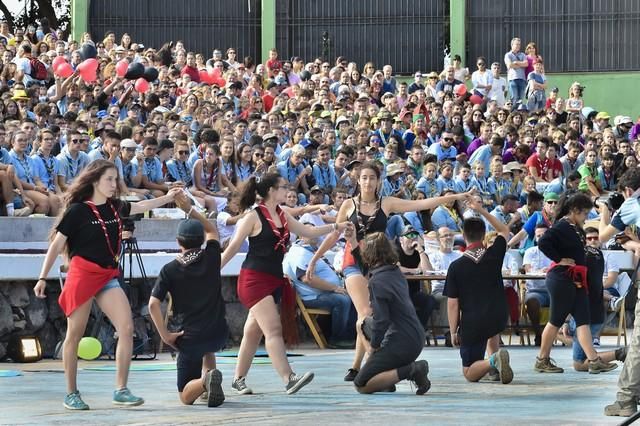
<point x="578" y="353"/>
<point x="541" y="295"/>
<point x="350" y="271"/>
<point x="113" y="283"/>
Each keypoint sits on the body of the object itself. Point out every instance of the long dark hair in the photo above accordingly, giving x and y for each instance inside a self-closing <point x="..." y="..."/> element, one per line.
<point x="572" y="200"/>
<point x="82" y="189"/>
<point x="257" y="186"/>
<point x="368" y="165"/>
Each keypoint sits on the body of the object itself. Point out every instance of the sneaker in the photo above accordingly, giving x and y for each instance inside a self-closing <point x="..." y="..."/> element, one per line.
<point x="492" y="376"/>
<point x="241" y="387"/>
<point x="126" y="398"/>
<point x="298" y="382"/>
<point x="621" y="408"/>
<point x="205" y="396"/>
<point x="502" y="365"/>
<point x="213" y="384"/>
<point x="596" y="342"/>
<point x="419" y="377"/>
<point x="73" y="402"/>
<point x="23" y="212"/>
<point x="621" y="353"/>
<point x="546" y="365"/>
<point x="351" y="375"/>
<point x="598" y="366"/>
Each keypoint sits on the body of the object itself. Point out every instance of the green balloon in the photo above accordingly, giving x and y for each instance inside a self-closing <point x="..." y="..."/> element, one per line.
<point x="89" y="348"/>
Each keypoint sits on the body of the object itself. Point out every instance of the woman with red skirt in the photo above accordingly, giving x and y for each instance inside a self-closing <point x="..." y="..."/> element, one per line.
<point x="261" y="282"/>
<point x="89" y="232"/>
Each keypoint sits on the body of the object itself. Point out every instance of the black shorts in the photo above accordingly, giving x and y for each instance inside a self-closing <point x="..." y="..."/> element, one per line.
<point x="189" y="363"/>
<point x="394" y="354"/>
<point x="566" y="299"/>
<point x="472" y="353"/>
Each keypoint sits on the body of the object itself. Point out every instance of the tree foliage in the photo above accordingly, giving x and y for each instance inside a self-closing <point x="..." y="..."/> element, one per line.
<point x="58" y="12"/>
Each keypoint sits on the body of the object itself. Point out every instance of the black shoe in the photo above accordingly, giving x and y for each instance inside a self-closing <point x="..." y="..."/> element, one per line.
<point x="213" y="385"/>
<point x="351" y="375"/>
<point x="419" y="373"/>
<point x="297" y="382"/>
<point x="621" y="353"/>
<point x="341" y="344"/>
<point x="447" y="339"/>
<point x="537" y="341"/>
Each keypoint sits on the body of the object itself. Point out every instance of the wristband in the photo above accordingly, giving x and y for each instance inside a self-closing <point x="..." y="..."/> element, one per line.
<point x="42" y="279"/>
<point x="335" y="226"/>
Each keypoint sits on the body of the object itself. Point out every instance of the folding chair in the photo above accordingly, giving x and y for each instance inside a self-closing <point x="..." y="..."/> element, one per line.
<point x="310" y="317"/>
<point x="624" y="288"/>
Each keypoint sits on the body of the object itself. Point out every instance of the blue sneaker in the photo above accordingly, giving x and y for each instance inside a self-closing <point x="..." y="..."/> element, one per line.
<point x="125" y="397"/>
<point x="73" y="402"/>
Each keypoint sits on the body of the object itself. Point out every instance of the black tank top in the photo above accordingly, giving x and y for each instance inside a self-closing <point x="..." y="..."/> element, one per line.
<point x="367" y="225"/>
<point x="262" y="256"/>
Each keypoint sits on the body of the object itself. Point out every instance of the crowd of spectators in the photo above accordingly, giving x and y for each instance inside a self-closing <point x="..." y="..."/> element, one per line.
<point x="510" y="136"/>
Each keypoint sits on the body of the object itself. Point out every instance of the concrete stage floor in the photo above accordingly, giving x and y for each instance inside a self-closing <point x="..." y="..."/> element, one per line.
<point x="532" y="398"/>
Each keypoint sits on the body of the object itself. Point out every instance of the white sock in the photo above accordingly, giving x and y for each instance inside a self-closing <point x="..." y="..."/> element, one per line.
<point x="10" y="209"/>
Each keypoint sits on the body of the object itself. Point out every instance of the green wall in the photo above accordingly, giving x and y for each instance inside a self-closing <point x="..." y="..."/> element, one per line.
<point x="617" y="93"/>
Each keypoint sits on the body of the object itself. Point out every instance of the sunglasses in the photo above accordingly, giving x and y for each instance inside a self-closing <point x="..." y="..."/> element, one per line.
<point x="595" y="238"/>
<point x="76" y="141"/>
<point x="130" y="149"/>
<point x="480" y="64"/>
<point x="448" y="139"/>
<point x="552" y="202"/>
<point x="258" y="154"/>
<point x="183" y="152"/>
<point x="411" y="235"/>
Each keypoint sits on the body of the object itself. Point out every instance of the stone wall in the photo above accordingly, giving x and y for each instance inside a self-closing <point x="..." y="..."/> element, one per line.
<point x="22" y="314"/>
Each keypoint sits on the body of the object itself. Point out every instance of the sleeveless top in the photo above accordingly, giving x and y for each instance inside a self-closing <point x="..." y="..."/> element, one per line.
<point x="366" y="225"/>
<point x="261" y="256"/>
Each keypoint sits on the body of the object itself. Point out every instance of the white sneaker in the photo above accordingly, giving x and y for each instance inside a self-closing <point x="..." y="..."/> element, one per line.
<point x="23" y="212"/>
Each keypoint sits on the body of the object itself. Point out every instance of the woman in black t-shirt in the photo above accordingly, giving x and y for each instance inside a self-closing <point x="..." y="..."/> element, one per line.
<point x="89" y="232"/>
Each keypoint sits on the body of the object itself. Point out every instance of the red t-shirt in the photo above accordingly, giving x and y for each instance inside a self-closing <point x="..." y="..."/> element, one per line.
<point x="267" y="101"/>
<point x="191" y="72"/>
<point x="273" y="66"/>
<point x="542" y="166"/>
<point x="556" y="169"/>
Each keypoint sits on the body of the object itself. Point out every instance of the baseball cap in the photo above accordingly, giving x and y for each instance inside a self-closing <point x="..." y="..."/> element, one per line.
<point x="316" y="188"/>
<point x="551" y="196"/>
<point x="353" y="164"/>
<point x="408" y="230"/>
<point x="622" y="119"/>
<point x="190" y="228"/>
<point x="128" y="143"/>
<point x="603" y="115"/>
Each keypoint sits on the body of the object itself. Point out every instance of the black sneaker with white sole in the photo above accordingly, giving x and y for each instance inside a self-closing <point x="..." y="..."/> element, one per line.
<point x="241" y="387"/>
<point x="419" y="373"/>
<point x="213" y="384"/>
<point x="298" y="382"/>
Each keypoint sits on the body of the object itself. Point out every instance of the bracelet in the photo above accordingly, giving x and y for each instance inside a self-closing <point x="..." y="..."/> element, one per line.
<point x="335" y="226"/>
<point x="421" y="252"/>
<point x="42" y="279"/>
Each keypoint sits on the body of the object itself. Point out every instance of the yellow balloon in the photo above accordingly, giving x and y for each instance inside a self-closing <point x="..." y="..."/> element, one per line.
<point x="89" y="348"/>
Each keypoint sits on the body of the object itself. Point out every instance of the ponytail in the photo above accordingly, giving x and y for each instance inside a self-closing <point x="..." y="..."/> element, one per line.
<point x="248" y="193"/>
<point x="255" y="186"/>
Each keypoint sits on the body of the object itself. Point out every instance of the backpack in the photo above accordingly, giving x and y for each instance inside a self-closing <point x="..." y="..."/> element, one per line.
<point x="38" y="70"/>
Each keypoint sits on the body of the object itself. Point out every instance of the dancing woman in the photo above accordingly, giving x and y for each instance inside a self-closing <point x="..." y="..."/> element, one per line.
<point x="369" y="213"/>
<point x="566" y="281"/>
<point x="261" y="283"/>
<point x="89" y="232"/>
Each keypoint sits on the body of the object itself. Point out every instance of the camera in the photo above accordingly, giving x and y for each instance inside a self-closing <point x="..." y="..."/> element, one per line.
<point x="614" y="201"/>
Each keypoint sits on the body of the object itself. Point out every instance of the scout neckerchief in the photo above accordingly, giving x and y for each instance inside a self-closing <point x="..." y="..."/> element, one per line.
<point x="96" y="213"/>
<point x="49" y="166"/>
<point x="283" y="236"/>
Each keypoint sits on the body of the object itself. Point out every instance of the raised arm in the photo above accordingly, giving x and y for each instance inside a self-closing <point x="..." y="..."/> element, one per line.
<point x="397" y="205"/>
<point x="500" y="227"/>
<point x="184" y="203"/>
<point x="146" y="205"/>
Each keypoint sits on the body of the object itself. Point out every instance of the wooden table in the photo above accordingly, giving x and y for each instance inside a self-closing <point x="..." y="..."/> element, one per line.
<point x="440" y="277"/>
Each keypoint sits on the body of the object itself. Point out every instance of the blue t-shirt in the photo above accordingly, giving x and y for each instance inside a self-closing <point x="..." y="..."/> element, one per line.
<point x="288" y="171"/>
<point x="295" y="265"/>
<point x="151" y="168"/>
<point x="47" y="169"/>
<point x="442" y="153"/>
<point x="628" y="214"/>
<point x="26" y="167"/>
<point x="482" y="155"/>
<point x="325" y="177"/>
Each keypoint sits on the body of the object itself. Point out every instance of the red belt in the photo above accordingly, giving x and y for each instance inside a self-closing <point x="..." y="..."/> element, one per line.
<point x="578" y="274"/>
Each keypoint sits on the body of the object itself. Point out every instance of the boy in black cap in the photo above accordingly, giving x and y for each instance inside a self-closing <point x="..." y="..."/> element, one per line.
<point x="193" y="279"/>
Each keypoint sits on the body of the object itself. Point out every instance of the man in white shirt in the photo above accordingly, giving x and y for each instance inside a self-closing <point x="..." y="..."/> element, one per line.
<point x="498" y="85"/>
<point x="537" y="296"/>
<point x="482" y="79"/>
<point x="440" y="260"/>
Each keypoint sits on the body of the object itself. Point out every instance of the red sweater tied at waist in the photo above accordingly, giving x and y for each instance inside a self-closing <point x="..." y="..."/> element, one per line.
<point x="577" y="273"/>
<point x="84" y="280"/>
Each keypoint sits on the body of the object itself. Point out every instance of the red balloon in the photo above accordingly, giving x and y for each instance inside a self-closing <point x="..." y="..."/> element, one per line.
<point x="475" y="99"/>
<point x="141" y="85"/>
<point x="121" y="67"/>
<point x="64" y="70"/>
<point x="57" y="61"/>
<point x="460" y="90"/>
<point x="214" y="73"/>
<point x="204" y="77"/>
<point x="87" y="70"/>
